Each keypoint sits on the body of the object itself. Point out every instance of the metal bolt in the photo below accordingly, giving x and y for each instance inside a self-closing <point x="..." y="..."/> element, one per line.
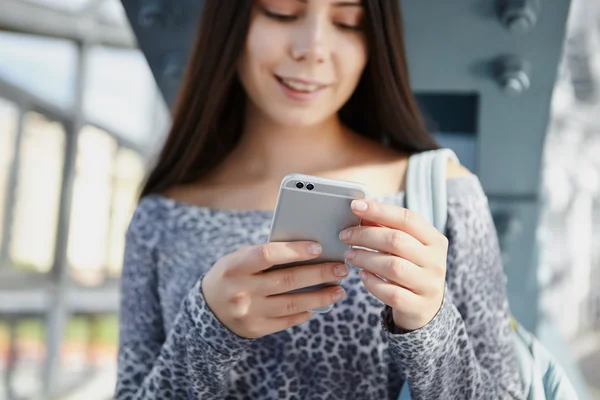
<point x="519" y="16"/>
<point x="513" y="75"/>
<point x="519" y="24"/>
<point x="172" y="69"/>
<point x="515" y="83"/>
<point x="151" y="15"/>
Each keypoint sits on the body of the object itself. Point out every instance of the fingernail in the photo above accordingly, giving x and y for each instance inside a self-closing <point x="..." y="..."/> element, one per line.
<point x="338" y="294"/>
<point x="345" y="234"/>
<point x="315" y="249"/>
<point x="340" y="270"/>
<point x="363" y="276"/>
<point x="359" y="205"/>
<point x="349" y="254"/>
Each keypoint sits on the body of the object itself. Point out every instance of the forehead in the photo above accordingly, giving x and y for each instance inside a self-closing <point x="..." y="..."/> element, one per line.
<point x="340" y="3"/>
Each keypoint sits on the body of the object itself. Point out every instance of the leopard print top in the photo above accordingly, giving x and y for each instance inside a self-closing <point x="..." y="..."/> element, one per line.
<point x="173" y="347"/>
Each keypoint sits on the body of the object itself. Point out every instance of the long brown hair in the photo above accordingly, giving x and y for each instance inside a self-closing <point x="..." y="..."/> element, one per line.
<point x="208" y="113"/>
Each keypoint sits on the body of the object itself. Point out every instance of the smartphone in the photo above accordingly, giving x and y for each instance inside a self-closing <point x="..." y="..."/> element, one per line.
<point x="315" y="209"/>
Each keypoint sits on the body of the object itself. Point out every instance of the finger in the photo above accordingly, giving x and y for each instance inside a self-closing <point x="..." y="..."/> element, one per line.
<point x="366" y="222"/>
<point x="396" y="217"/>
<point x="282" y="305"/>
<point x="279" y="324"/>
<point x="393" y="295"/>
<point x="388" y="240"/>
<point x="395" y="269"/>
<point x="261" y="257"/>
<point x="242" y="249"/>
<point x="293" y="278"/>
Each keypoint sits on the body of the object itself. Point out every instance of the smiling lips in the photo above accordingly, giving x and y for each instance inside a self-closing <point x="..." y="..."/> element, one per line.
<point x="299" y="89"/>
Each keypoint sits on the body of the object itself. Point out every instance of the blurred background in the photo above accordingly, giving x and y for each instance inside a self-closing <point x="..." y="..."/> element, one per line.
<point x="85" y="89"/>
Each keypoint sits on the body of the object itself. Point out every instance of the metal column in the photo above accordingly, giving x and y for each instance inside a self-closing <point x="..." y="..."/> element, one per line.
<point x="57" y="316"/>
<point x="11" y="190"/>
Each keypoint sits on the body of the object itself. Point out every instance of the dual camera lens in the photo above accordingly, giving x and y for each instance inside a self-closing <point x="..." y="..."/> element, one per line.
<point x="300" y="185"/>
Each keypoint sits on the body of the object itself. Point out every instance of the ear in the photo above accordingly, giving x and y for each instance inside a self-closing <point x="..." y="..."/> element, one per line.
<point x="455" y="170"/>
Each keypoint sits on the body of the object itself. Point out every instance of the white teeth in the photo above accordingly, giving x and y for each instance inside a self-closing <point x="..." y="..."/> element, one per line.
<point x="301" y="87"/>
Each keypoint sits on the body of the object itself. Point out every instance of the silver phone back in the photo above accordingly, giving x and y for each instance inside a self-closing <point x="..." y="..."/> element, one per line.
<point x="316" y="215"/>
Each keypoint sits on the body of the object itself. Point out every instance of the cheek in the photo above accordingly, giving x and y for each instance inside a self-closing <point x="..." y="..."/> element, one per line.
<point x="351" y="60"/>
<point x="262" y="51"/>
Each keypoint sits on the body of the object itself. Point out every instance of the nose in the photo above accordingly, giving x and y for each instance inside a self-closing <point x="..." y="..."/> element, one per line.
<point x="311" y="40"/>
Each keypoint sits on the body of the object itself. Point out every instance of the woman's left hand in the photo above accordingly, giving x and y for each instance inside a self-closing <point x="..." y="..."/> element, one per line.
<point x="411" y="256"/>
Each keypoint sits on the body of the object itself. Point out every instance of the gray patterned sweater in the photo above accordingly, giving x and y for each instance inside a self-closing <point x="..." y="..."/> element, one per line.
<point x="173" y="347"/>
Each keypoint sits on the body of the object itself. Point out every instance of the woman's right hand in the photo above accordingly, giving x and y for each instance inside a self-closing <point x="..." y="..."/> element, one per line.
<point x="252" y="302"/>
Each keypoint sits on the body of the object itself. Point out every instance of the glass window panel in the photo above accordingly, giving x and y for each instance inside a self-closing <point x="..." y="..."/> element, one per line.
<point x="39" y="183"/>
<point x="90" y="212"/>
<point x="62" y="5"/>
<point x="112" y="12"/>
<point x="46" y="67"/>
<point x="8" y="133"/>
<point x="128" y="176"/>
<point x="121" y="93"/>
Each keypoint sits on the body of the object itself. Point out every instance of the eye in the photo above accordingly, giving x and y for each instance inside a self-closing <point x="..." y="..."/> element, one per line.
<point x="349" y="20"/>
<point x="356" y="28"/>
<point x="279" y="17"/>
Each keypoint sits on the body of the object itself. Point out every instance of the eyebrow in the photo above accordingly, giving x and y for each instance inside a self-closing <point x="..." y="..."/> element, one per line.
<point x="341" y="3"/>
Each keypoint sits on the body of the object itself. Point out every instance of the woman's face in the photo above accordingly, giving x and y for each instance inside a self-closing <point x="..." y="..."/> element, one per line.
<point x="303" y="58"/>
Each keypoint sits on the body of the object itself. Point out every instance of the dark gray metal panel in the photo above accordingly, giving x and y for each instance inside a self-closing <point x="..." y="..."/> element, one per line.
<point x="456" y="48"/>
<point x="516" y="221"/>
<point x="452" y="47"/>
<point x="165" y="31"/>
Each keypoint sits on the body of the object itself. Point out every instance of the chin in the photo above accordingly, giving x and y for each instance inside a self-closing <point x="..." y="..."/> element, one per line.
<point x="299" y="118"/>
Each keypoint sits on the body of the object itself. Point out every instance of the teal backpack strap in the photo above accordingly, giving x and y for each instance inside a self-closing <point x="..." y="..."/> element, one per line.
<point x="426" y="185"/>
<point x="426" y="195"/>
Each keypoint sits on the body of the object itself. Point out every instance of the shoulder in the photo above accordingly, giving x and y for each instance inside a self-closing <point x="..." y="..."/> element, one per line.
<point x="148" y="220"/>
<point x="456" y="170"/>
<point x="150" y="209"/>
<point x="468" y="205"/>
<point x="463" y="186"/>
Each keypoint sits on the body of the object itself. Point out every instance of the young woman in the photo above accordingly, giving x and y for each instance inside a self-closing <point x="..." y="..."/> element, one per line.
<point x="317" y="87"/>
